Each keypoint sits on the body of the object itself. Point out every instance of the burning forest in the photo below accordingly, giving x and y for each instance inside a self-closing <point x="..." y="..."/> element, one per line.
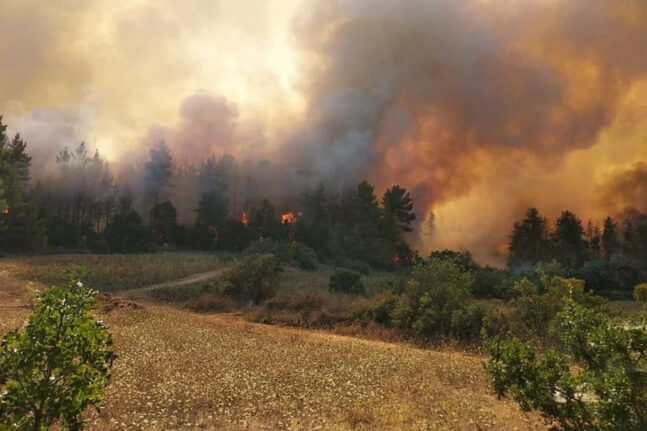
<point x="476" y="108"/>
<point x="467" y="174"/>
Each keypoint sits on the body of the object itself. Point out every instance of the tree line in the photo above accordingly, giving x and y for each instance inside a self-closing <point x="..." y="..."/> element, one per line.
<point x="78" y="204"/>
<point x="611" y="258"/>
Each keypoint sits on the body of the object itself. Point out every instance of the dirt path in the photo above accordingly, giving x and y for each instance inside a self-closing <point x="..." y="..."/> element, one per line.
<point x="142" y="292"/>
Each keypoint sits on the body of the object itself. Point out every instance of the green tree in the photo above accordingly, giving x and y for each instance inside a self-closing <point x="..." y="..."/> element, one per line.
<point x="263" y="222"/>
<point x="163" y="222"/>
<point x="3" y="208"/>
<point x="607" y="388"/>
<point x="56" y="367"/>
<point x="397" y="217"/>
<point x="529" y="241"/>
<point x="315" y="227"/>
<point x="397" y="206"/>
<point x="22" y="227"/>
<point x="570" y="246"/>
<point x="125" y="232"/>
<point x="159" y="170"/>
<point x="610" y="240"/>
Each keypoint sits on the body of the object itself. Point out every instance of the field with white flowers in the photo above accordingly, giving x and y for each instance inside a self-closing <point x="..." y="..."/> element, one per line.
<point x="182" y="370"/>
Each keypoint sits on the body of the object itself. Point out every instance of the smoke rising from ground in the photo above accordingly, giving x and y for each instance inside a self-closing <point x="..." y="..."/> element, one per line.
<point x="480" y="108"/>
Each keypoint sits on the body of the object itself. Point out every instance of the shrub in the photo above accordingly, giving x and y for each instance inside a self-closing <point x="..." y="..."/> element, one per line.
<point x="467" y="321"/>
<point x="607" y="390"/>
<point x="59" y="364"/>
<point x="283" y="251"/>
<point x="346" y="281"/>
<point x="437" y="290"/>
<point x="306" y="258"/>
<point x="640" y="292"/>
<point x="353" y="265"/>
<point x="537" y="305"/>
<point x="254" y="278"/>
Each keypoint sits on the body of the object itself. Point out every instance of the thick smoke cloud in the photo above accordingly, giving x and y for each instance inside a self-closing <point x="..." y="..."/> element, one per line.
<point x="480" y="108"/>
<point x="444" y="95"/>
<point x="627" y="190"/>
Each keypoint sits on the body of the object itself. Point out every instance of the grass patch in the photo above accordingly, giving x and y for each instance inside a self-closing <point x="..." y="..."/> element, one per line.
<point x="116" y="272"/>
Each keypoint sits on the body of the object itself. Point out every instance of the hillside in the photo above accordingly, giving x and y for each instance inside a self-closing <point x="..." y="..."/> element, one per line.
<point x="182" y="370"/>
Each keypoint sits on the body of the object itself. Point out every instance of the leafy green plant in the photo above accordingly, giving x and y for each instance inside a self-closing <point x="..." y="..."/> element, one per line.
<point x="436" y="300"/>
<point x="254" y="278"/>
<point x="607" y="390"/>
<point x="346" y="281"/>
<point x="56" y="367"/>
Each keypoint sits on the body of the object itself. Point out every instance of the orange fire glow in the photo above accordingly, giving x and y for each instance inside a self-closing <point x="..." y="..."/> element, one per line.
<point x="396" y="258"/>
<point x="287" y="218"/>
<point x="5" y="211"/>
<point x="243" y="219"/>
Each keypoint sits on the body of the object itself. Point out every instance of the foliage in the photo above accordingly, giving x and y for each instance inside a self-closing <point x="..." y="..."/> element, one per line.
<point x="125" y="232"/>
<point x="436" y="300"/>
<point x="537" y="304"/>
<point x="529" y="241"/>
<point x="282" y="250"/>
<point x="353" y="265"/>
<point x="346" y="281"/>
<point x="570" y="247"/>
<point x="59" y="364"/>
<point x="640" y="292"/>
<point x="159" y="171"/>
<point x="163" y="222"/>
<point x="254" y="278"/>
<point x="305" y="257"/>
<point x="493" y="283"/>
<point x="607" y="391"/>
<point x="292" y="254"/>
<point x="20" y="225"/>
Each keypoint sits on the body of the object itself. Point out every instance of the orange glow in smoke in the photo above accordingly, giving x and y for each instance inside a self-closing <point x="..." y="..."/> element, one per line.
<point x="287" y="218"/>
<point x="5" y="211"/>
<point x="243" y="219"/>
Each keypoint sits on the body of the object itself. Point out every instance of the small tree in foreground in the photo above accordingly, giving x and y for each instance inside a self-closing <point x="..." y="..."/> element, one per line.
<point x="56" y="367"/>
<point x="607" y="388"/>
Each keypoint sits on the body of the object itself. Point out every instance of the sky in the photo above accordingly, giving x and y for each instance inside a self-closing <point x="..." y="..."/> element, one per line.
<point x="481" y="108"/>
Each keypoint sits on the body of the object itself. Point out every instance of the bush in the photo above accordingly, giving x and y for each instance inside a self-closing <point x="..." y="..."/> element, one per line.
<point x="353" y="265"/>
<point x="532" y="312"/>
<point x="282" y="250"/>
<point x="253" y="279"/>
<point x="640" y="292"/>
<point x="436" y="292"/>
<point x="59" y="364"/>
<point x="306" y="258"/>
<point x="607" y="390"/>
<point x="346" y="281"/>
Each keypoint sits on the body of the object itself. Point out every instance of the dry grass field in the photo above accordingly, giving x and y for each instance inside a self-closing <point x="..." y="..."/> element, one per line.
<point x="182" y="370"/>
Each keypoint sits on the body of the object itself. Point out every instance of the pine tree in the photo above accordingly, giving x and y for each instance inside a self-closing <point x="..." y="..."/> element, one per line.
<point x="570" y="247"/>
<point x="159" y="171"/>
<point x="529" y="242"/>
<point x="610" y="240"/>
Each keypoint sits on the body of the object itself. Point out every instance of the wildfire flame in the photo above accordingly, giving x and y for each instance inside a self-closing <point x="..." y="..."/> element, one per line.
<point x="396" y="258"/>
<point x="5" y="211"/>
<point x="243" y="219"/>
<point x="288" y="217"/>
